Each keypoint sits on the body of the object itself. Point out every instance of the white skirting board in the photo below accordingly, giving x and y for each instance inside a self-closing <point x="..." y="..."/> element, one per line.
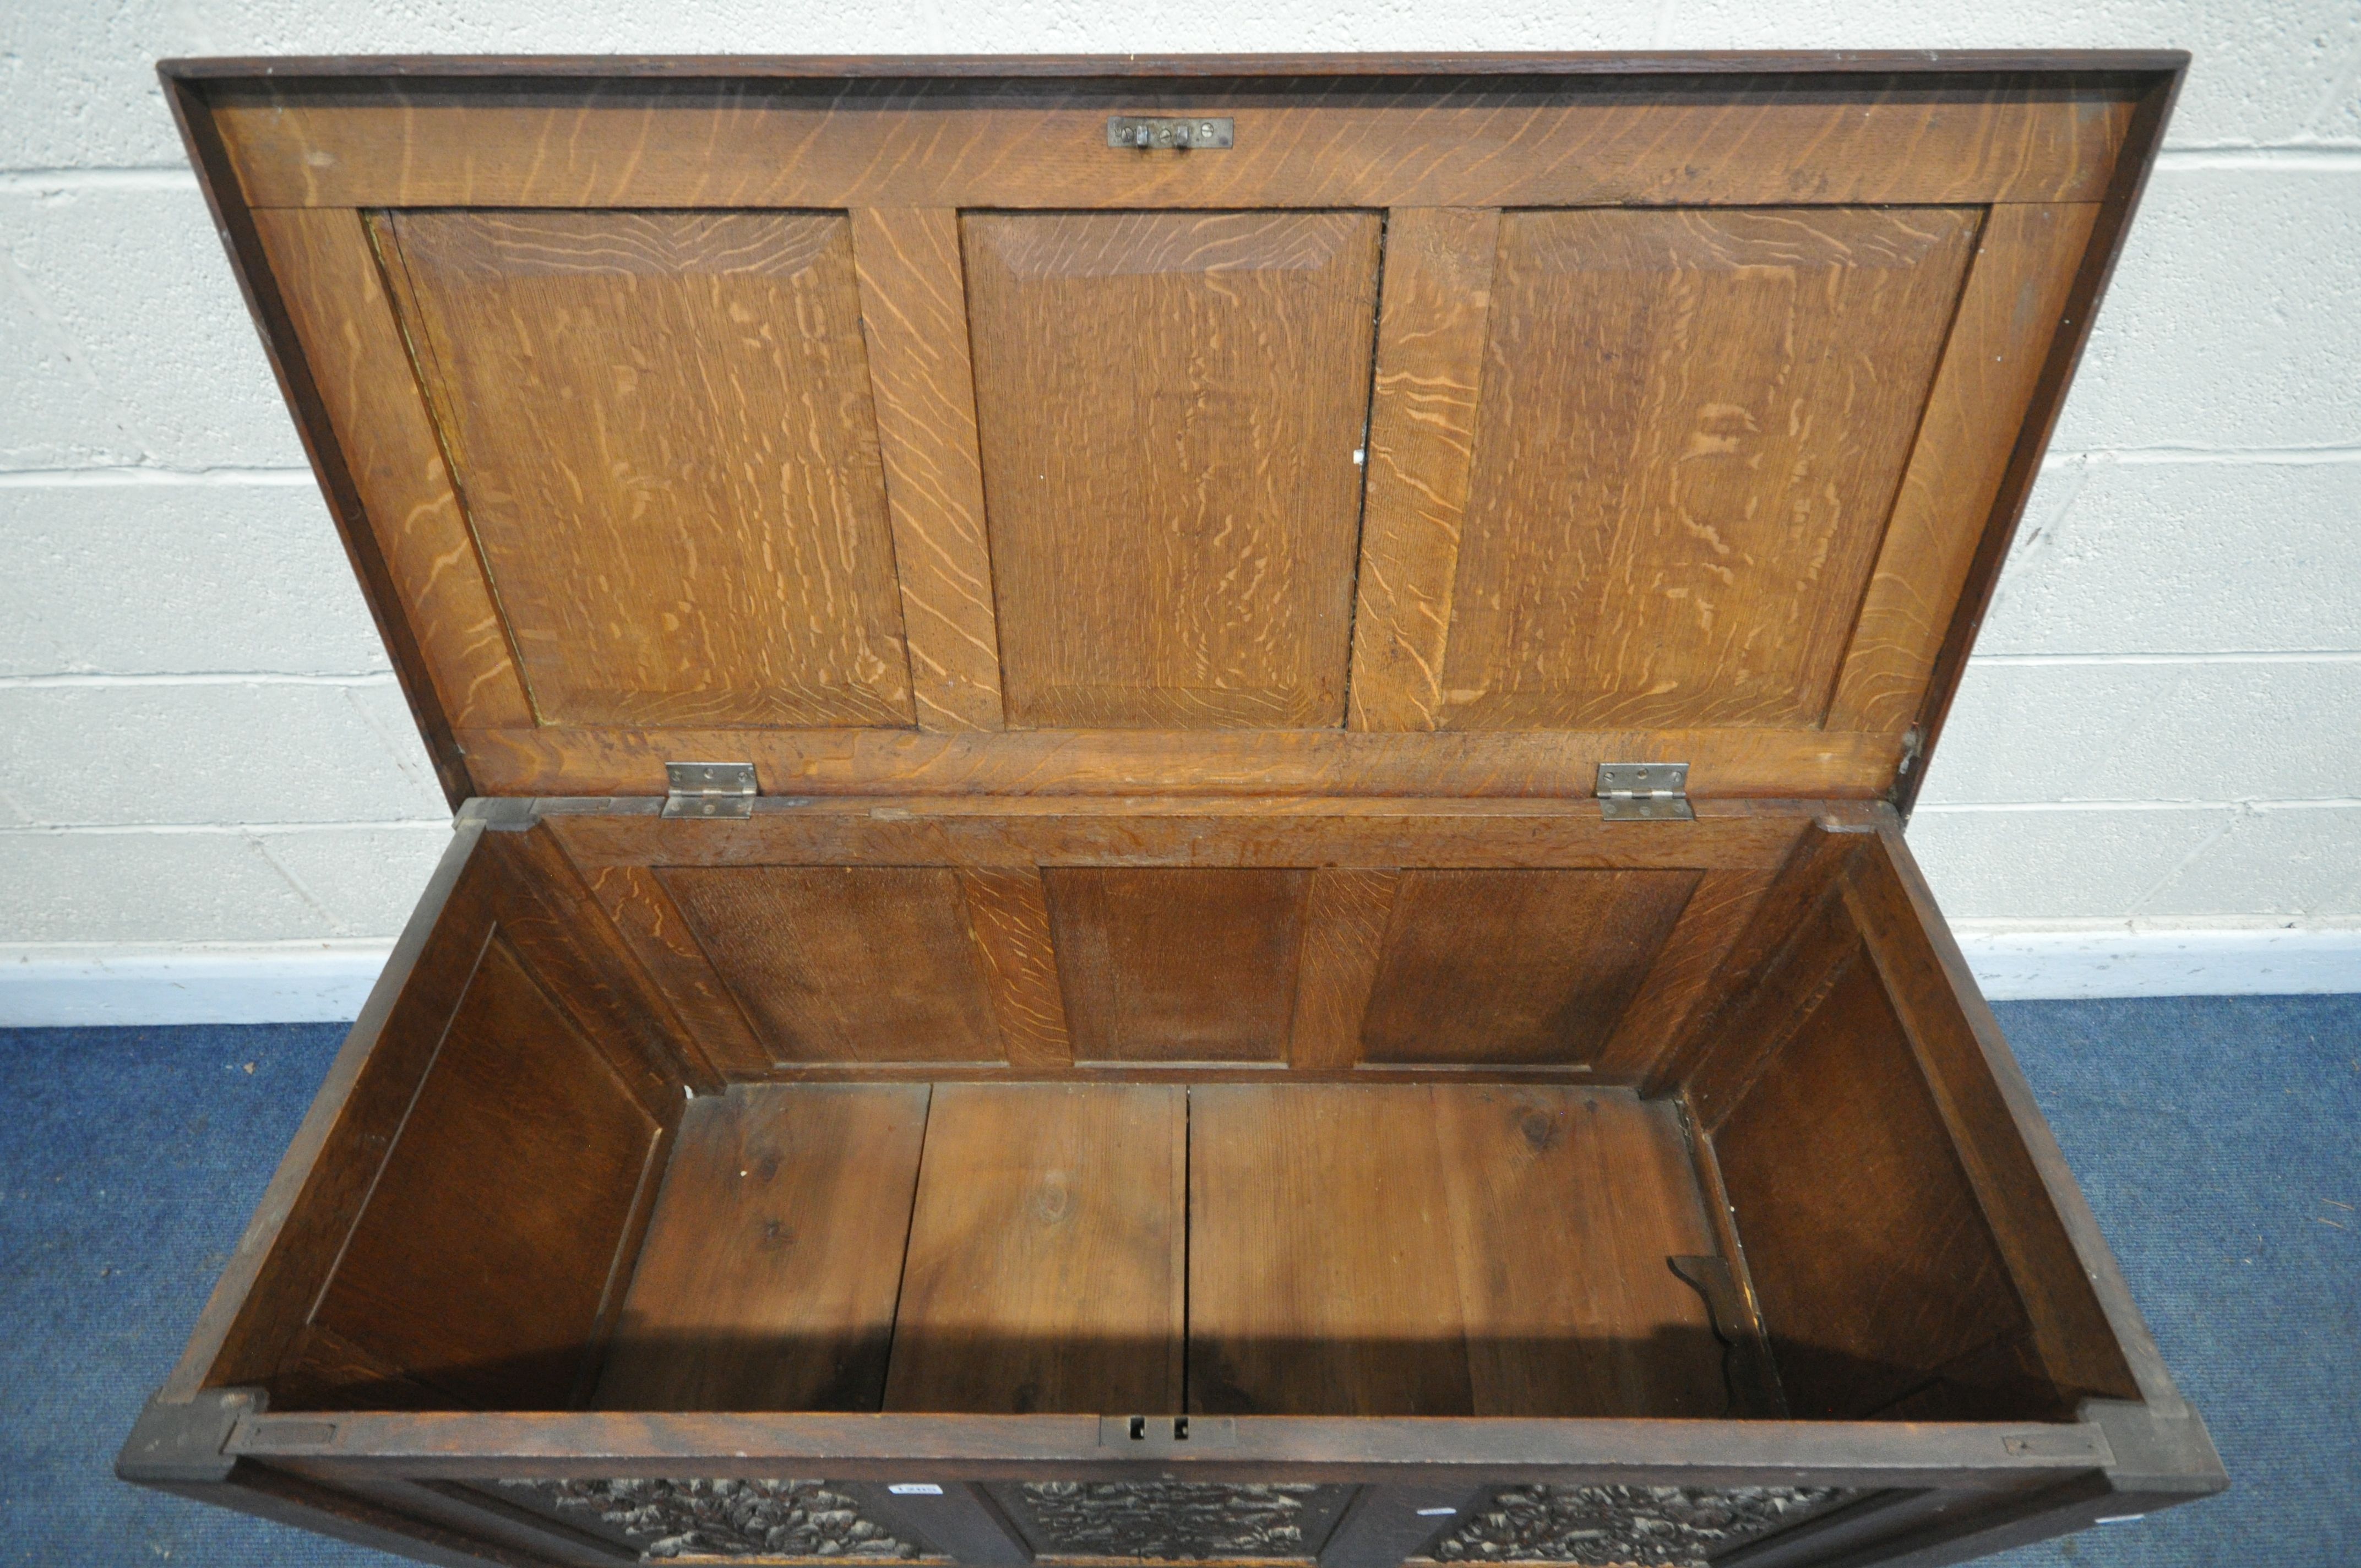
<point x="275" y="982"/>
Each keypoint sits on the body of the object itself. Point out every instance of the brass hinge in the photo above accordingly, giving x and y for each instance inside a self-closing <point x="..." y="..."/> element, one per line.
<point x="1645" y="792"/>
<point x="710" y="789"/>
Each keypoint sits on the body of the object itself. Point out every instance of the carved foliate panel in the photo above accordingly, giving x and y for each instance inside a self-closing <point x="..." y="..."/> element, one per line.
<point x="663" y="1519"/>
<point x="1168" y="1520"/>
<point x="1659" y="1527"/>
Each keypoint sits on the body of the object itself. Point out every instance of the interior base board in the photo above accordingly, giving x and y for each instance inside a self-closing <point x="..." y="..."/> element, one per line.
<point x="50" y="985"/>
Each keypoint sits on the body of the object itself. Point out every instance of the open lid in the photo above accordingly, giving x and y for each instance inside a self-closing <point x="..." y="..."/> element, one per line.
<point x="1446" y="426"/>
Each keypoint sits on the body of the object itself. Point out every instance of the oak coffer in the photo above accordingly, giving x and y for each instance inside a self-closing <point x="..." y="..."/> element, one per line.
<point x="1179" y="797"/>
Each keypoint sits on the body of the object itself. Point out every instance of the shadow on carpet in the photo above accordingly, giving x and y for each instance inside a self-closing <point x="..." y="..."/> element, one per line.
<point x="2215" y="1137"/>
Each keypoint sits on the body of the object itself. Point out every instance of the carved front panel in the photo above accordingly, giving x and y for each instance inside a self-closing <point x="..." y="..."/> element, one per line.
<point x="1660" y="1527"/>
<point x="663" y="1519"/>
<point x="1174" y="1519"/>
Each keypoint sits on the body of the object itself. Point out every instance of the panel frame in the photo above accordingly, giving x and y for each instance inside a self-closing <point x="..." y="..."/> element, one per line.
<point x="2137" y="88"/>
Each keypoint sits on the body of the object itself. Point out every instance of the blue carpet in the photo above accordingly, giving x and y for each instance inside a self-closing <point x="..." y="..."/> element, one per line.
<point x="2216" y="1138"/>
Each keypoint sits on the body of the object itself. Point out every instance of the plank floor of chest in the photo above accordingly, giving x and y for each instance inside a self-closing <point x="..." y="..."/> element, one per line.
<point x="1233" y="1247"/>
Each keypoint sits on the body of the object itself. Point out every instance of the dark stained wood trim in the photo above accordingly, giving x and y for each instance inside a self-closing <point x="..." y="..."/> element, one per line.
<point x="1406" y="1450"/>
<point x="1835" y="63"/>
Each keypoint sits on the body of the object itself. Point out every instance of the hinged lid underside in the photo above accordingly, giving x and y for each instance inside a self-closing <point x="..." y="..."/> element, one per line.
<point x="1449" y="435"/>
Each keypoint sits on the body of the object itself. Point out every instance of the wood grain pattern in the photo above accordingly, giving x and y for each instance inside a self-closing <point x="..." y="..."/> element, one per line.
<point x="1692" y="424"/>
<point x="1345" y="917"/>
<point x="1438" y="295"/>
<point x="496" y="1302"/>
<point x="1873" y="1262"/>
<point x="1321" y="1279"/>
<point x="1170" y="405"/>
<point x="1259" y="833"/>
<point x="337" y="300"/>
<point x="839" y="963"/>
<point x="2070" y="1334"/>
<point x="1525" y="967"/>
<point x="914" y="313"/>
<point x="2025" y="136"/>
<point x="1047" y="1256"/>
<point x="1680" y="979"/>
<point x="1723" y="763"/>
<point x="768" y="1278"/>
<point x="2026" y="262"/>
<point x="1564" y="1204"/>
<point x="1177" y="965"/>
<point x="662" y="429"/>
<point x="659" y="935"/>
<point x="1009" y="911"/>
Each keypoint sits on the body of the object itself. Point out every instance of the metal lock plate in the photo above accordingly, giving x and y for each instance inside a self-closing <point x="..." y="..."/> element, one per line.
<point x="1146" y="131"/>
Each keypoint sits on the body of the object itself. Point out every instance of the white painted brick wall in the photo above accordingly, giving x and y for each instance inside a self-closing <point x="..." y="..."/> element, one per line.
<point x="2163" y="728"/>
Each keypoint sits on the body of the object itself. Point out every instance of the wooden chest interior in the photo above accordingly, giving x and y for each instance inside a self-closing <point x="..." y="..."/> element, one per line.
<point x="1038" y="664"/>
<point x="1351" y="1108"/>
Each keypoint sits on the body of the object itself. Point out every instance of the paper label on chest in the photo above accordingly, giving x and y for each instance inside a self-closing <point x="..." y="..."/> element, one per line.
<point x="1442" y="434"/>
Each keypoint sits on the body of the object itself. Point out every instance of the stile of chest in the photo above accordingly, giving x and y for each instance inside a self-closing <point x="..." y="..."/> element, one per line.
<point x="1178" y="793"/>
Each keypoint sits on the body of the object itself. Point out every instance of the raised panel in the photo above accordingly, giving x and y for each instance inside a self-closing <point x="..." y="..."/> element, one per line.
<point x="1173" y="964"/>
<point x="664" y="436"/>
<point x="845" y="963"/>
<point x="1171" y="406"/>
<point x="1523" y="966"/>
<point x="1875" y="1265"/>
<point x="493" y="1301"/>
<point x="1691" y="431"/>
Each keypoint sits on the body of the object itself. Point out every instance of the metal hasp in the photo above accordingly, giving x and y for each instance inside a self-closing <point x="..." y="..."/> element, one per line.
<point x="1645" y="792"/>
<point x="1140" y="130"/>
<point x="710" y="789"/>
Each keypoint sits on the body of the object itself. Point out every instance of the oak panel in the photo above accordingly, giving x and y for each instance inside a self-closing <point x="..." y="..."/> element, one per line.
<point x="1320" y="1273"/>
<point x="336" y="299"/>
<point x="837" y="963"/>
<point x="495" y="1303"/>
<point x="1692" y="426"/>
<point x="1525" y="967"/>
<point x="2025" y="261"/>
<point x="1252" y="833"/>
<point x="1422" y="408"/>
<point x="914" y="310"/>
<point x="662" y="429"/>
<point x="1725" y="763"/>
<point x="769" y="1275"/>
<point x="1046" y="1253"/>
<point x="1345" y="917"/>
<point x="1652" y="140"/>
<point x="1679" y="982"/>
<point x="659" y="937"/>
<point x="1009" y="910"/>
<point x="1874" y="1266"/>
<point x="1171" y="405"/>
<point x="1564" y="1204"/>
<point x="1178" y="964"/>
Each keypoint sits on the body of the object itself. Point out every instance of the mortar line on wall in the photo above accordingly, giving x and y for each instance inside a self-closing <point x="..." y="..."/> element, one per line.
<point x="2291" y="157"/>
<point x="2201" y="656"/>
<point x="2257" y="456"/>
<point x="218" y="830"/>
<point x="119" y="475"/>
<point x="2313" y="803"/>
<point x="42" y="182"/>
<point x="198" y="678"/>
